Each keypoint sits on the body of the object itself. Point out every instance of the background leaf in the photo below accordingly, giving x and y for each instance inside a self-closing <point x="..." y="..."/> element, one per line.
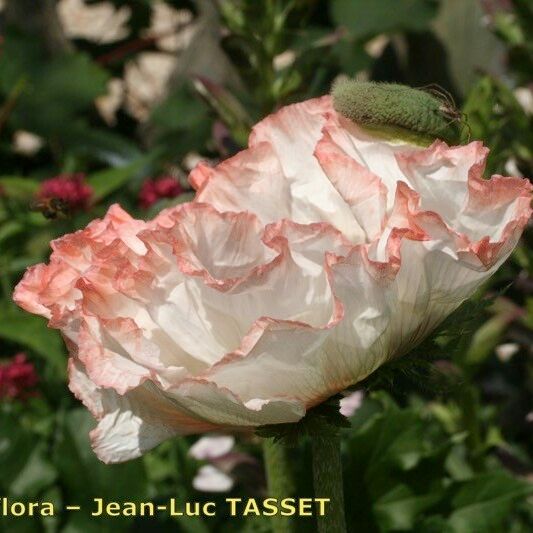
<point x="364" y="20"/>
<point x="31" y="331"/>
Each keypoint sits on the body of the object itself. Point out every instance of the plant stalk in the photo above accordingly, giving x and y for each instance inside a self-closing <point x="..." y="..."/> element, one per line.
<point x="280" y="480"/>
<point x="327" y="477"/>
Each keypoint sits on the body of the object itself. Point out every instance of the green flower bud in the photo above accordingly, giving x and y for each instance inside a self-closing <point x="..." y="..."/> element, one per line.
<point x="396" y="111"/>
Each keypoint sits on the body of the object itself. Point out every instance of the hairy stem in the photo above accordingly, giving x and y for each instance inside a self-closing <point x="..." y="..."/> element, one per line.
<point x="280" y="480"/>
<point x="327" y="476"/>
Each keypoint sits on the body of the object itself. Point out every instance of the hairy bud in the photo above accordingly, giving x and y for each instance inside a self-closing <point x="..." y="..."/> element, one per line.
<point x="395" y="110"/>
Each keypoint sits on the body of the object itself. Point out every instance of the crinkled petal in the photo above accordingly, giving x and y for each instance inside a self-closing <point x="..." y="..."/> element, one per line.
<point x="132" y="424"/>
<point x="362" y="190"/>
<point x="305" y="262"/>
<point x="50" y="290"/>
<point x="268" y="174"/>
<point x="449" y="182"/>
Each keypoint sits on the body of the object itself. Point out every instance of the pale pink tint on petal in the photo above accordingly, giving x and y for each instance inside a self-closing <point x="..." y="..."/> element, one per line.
<point x="362" y="190"/>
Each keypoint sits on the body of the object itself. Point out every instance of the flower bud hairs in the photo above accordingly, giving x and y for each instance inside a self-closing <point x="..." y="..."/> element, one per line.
<point x="397" y="111"/>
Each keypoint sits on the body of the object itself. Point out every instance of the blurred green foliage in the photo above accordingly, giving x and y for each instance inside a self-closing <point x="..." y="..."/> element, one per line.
<point x="429" y="451"/>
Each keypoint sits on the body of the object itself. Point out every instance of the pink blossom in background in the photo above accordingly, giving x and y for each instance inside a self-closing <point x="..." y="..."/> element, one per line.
<point x="17" y="378"/>
<point x="350" y="403"/>
<point x="220" y="474"/>
<point x="214" y="449"/>
<point x="153" y="190"/>
<point x="71" y="188"/>
<point x="210" y="479"/>
<point x="304" y="263"/>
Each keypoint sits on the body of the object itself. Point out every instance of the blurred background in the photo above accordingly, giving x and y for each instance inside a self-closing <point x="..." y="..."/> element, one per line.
<point x="116" y="101"/>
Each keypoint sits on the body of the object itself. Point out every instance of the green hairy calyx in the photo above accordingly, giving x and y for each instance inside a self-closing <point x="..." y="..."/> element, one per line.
<point x="396" y="111"/>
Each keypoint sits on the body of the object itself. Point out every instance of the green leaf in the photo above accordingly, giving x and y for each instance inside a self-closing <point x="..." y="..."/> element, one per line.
<point x="36" y="475"/>
<point x="397" y="439"/>
<point x="78" y="522"/>
<point x="18" y="186"/>
<point x="31" y="331"/>
<point x="398" y="509"/>
<point x="351" y="55"/>
<point x="457" y="465"/>
<point x="228" y="108"/>
<point x="56" y="90"/>
<point x="179" y="111"/>
<point x="7" y="230"/>
<point x="104" y="145"/>
<point x="484" y="502"/>
<point x="468" y="51"/>
<point x="486" y="339"/>
<point x="495" y="116"/>
<point x="365" y="19"/>
<point x="393" y="465"/>
<point x="16" y="446"/>
<point x="181" y="122"/>
<point x="108" y="181"/>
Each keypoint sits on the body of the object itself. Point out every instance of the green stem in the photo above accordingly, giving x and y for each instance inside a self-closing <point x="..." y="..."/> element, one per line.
<point x="327" y="476"/>
<point x="469" y="404"/>
<point x="280" y="480"/>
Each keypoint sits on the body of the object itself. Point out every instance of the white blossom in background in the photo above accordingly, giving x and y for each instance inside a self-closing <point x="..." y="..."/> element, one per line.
<point x="211" y="447"/>
<point x="511" y="167"/>
<point x="191" y="159"/>
<point x="109" y="103"/>
<point x="375" y="47"/>
<point x="27" y="143"/>
<point x="284" y="60"/>
<point x="210" y="479"/>
<point x="524" y="95"/>
<point x="101" y="23"/>
<point x="506" y="351"/>
<point x="173" y="28"/>
<point x="146" y="78"/>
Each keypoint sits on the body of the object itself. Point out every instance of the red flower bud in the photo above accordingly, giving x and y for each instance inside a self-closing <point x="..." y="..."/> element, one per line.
<point x="17" y="378"/>
<point x="71" y="188"/>
<point x="155" y="189"/>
